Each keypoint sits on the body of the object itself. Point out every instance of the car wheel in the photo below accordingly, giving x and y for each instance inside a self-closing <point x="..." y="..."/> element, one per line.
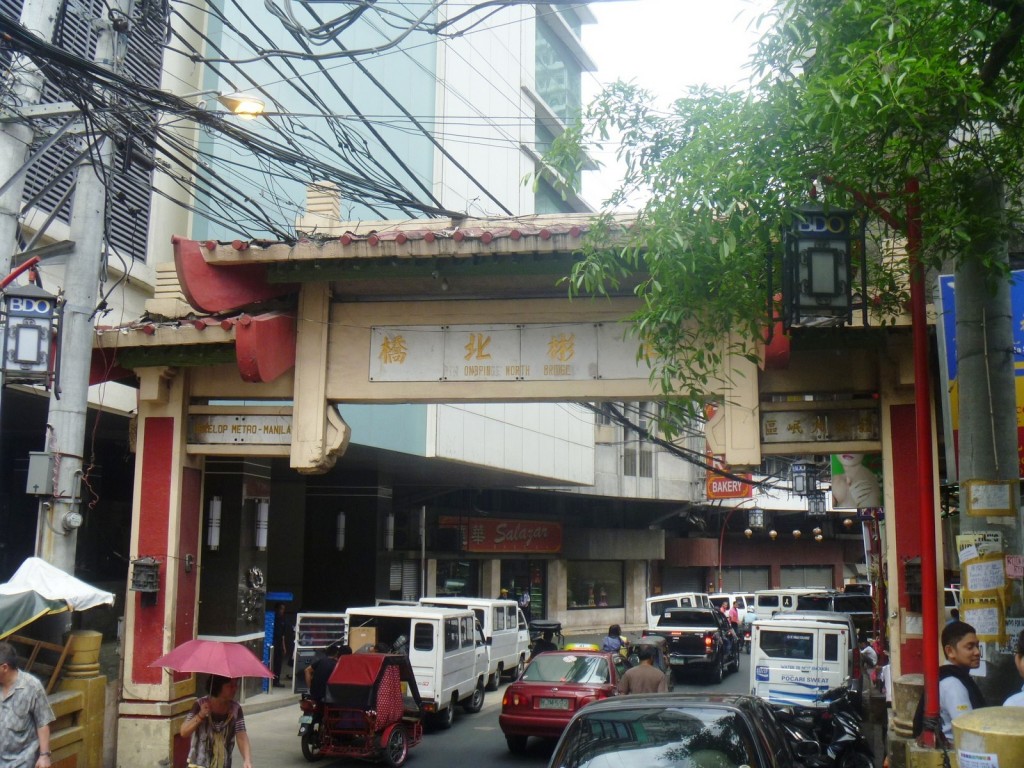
<point x="311" y="743"/>
<point x="396" y="746"/>
<point x="475" y="703"/>
<point x="494" y="680"/>
<point x="735" y="667"/>
<point x="520" y="667"/>
<point x="717" y="672"/>
<point x="516" y="744"/>
<point x="444" y="719"/>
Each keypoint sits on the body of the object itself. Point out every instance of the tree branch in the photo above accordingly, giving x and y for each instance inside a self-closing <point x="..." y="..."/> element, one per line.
<point x="1007" y="42"/>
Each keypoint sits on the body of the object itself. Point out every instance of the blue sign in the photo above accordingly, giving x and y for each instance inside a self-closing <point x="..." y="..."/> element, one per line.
<point x="947" y="321"/>
<point x="761" y="674"/>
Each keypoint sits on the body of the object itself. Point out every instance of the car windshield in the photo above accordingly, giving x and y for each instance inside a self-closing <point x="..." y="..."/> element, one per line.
<point x="687" y="619"/>
<point x="567" y="668"/>
<point x="694" y="736"/>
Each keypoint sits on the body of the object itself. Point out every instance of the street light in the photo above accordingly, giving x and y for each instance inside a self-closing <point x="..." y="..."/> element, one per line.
<point x="245" y="105"/>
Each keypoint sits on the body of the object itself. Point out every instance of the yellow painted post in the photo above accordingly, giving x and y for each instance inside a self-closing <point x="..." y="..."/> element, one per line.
<point x="990" y="736"/>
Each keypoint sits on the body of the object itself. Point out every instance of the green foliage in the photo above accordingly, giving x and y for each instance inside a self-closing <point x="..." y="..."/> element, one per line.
<point x="862" y="93"/>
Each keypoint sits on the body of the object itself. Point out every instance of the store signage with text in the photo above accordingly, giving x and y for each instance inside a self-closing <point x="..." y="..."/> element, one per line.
<point x="720" y="487"/>
<point x="487" y="534"/>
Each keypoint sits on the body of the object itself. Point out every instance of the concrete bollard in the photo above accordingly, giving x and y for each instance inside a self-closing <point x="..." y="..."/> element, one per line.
<point x="990" y="736"/>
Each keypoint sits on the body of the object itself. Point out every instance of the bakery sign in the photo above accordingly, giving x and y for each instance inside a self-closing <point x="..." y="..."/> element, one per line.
<point x="488" y="534"/>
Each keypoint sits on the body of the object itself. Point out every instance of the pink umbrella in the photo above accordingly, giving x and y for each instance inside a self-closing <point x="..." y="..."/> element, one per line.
<point x="214" y="658"/>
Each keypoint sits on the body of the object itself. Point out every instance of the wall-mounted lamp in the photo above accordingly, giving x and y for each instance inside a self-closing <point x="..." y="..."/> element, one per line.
<point x="816" y="532"/>
<point x="816" y="504"/>
<point x="27" y="335"/>
<point x="755" y="519"/>
<point x="389" y="531"/>
<point x="213" y="523"/>
<point x="797" y="533"/>
<point x="748" y="533"/>
<point x="819" y="538"/>
<point x="848" y="522"/>
<point x="339" y="532"/>
<point x="804" y="478"/>
<point x="262" y="523"/>
<point x="773" y="534"/>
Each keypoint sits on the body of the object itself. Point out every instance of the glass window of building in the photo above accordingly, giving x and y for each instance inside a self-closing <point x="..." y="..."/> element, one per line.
<point x="594" y="583"/>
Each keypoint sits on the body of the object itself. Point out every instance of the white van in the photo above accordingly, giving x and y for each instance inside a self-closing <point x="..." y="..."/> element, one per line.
<point x="445" y="646"/>
<point x="795" y="661"/>
<point x="728" y="598"/>
<point x="658" y="604"/>
<point x="768" y="602"/>
<point x="505" y="632"/>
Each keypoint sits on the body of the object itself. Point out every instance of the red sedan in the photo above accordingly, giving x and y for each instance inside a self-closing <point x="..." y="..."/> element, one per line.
<point x="555" y="685"/>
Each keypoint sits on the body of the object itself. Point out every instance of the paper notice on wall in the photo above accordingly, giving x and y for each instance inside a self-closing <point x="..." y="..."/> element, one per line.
<point x="987" y="619"/>
<point x="983" y="542"/>
<point x="1014" y="566"/>
<point x="977" y="759"/>
<point x="970" y="552"/>
<point x="985" y="575"/>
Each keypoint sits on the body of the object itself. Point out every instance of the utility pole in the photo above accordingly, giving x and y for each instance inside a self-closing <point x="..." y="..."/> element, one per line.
<point x="988" y="421"/>
<point x="16" y="136"/>
<point x="59" y="518"/>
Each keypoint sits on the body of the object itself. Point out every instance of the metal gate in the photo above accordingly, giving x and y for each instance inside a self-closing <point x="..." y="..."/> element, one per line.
<point x="805" y="576"/>
<point x="685" y="580"/>
<point x="746" y="579"/>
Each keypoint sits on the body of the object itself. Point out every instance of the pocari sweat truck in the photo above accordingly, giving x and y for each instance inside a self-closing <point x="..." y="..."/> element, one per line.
<point x="793" y="662"/>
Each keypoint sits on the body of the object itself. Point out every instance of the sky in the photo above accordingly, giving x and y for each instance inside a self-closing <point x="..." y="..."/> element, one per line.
<point x="664" y="46"/>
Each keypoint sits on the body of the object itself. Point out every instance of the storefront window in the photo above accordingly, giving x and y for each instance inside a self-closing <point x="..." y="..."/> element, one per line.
<point x="526" y="577"/>
<point x="457" y="578"/>
<point x="595" y="583"/>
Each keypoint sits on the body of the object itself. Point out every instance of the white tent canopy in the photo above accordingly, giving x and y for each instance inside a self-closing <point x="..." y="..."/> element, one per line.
<point x="36" y="575"/>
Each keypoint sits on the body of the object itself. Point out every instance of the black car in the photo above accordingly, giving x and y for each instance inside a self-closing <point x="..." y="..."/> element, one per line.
<point x="688" y="730"/>
<point x="699" y="637"/>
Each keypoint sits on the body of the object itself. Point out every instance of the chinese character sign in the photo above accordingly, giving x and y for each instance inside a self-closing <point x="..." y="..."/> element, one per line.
<point x="520" y="352"/>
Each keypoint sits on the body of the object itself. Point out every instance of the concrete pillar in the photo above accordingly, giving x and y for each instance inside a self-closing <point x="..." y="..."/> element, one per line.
<point x="490" y="578"/>
<point x="166" y="525"/>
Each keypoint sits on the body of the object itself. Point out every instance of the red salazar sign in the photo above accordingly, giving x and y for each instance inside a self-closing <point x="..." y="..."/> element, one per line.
<point x="486" y="534"/>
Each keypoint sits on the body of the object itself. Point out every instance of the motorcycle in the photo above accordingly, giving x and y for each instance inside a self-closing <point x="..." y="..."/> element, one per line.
<point x="829" y="737"/>
<point x="309" y="729"/>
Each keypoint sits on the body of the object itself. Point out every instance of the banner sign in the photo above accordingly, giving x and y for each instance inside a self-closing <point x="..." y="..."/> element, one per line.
<point x="488" y="534"/>
<point x="946" y="327"/>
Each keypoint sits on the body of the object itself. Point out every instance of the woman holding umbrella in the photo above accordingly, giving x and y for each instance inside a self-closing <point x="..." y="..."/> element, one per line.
<point x="215" y="724"/>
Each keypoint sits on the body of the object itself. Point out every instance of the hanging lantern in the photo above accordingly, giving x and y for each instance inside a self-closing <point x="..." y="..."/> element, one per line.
<point x="755" y="518"/>
<point x="804" y="478"/>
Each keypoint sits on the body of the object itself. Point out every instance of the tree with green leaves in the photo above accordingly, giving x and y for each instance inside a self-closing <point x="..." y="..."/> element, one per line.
<point x="854" y="95"/>
<point x="855" y="98"/>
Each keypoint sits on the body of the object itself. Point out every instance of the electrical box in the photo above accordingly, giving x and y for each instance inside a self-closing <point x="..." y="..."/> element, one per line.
<point x="40" y="474"/>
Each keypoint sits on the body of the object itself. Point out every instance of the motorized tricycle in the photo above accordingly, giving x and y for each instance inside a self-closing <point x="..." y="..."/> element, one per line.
<point x="371" y="711"/>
